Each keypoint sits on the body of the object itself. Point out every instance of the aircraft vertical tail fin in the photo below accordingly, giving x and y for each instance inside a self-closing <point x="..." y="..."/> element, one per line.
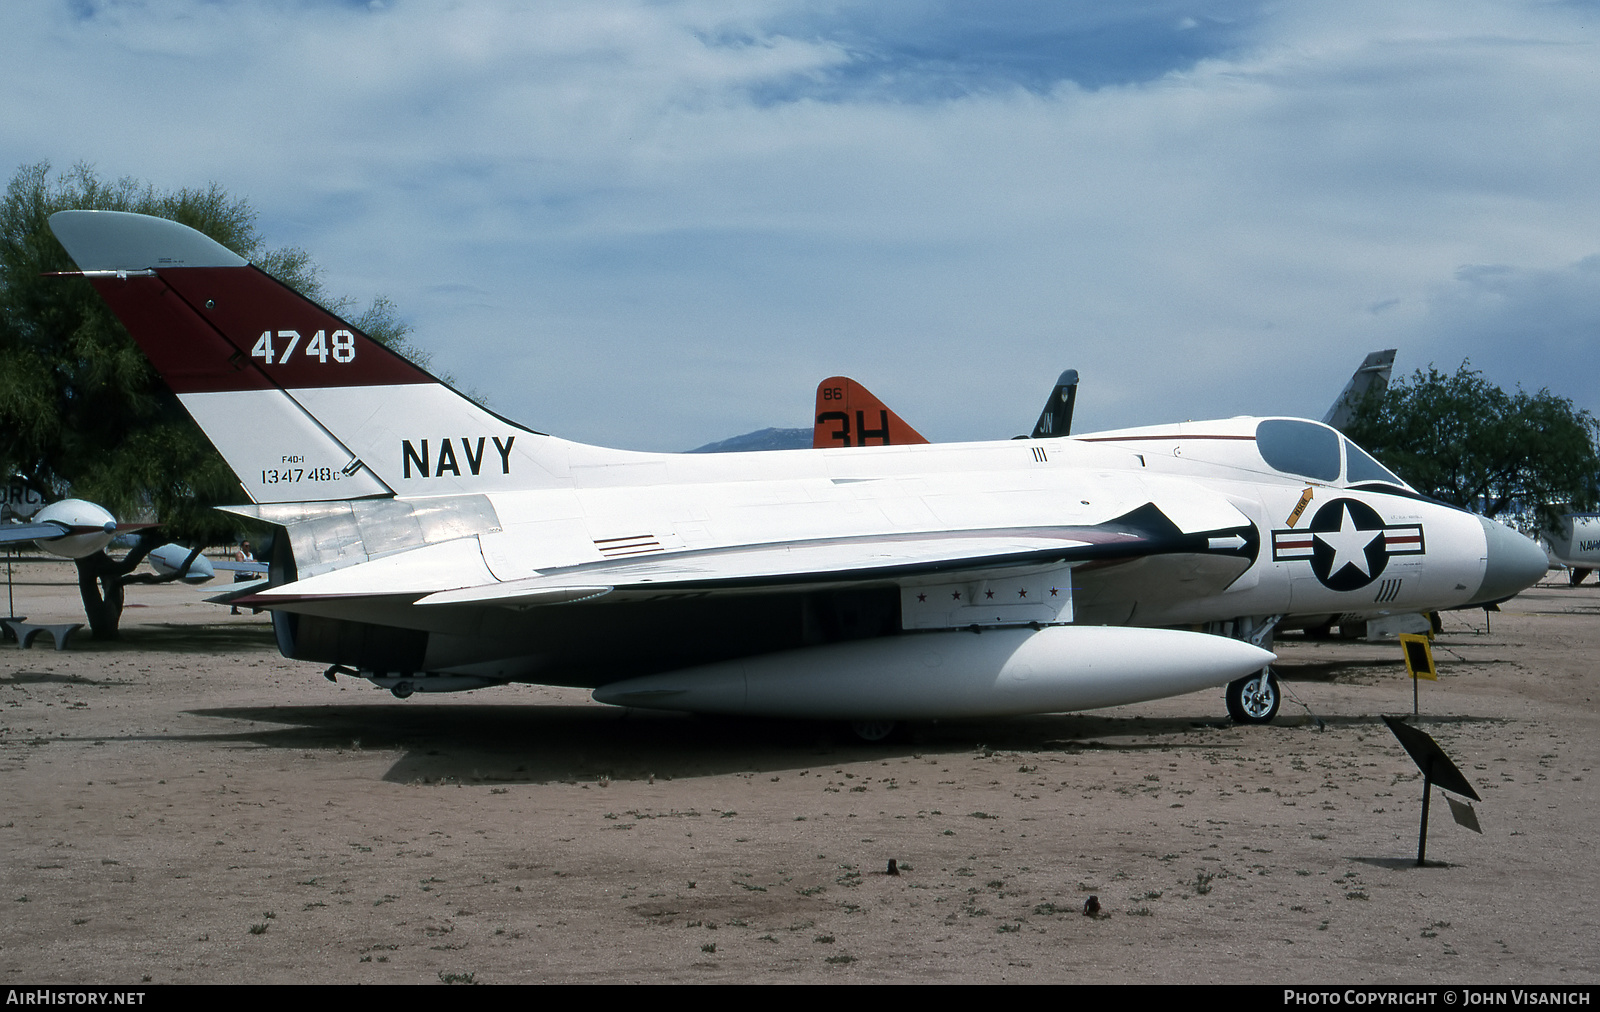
<point x="301" y="404"/>
<point x="1056" y="418"/>
<point x="1372" y="374"/>
<point x="849" y="415"/>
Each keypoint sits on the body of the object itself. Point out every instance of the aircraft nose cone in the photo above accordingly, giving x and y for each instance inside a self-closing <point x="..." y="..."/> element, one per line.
<point x="1514" y="563"/>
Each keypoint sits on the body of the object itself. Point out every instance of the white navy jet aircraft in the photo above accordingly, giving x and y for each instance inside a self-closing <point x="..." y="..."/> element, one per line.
<point x="1574" y="542"/>
<point x="429" y="544"/>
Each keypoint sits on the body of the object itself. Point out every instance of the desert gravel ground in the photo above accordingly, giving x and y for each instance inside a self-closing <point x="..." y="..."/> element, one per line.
<point x="184" y="805"/>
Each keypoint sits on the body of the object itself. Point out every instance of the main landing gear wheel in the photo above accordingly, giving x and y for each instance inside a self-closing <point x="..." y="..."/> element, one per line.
<point x="1254" y="700"/>
<point x="874" y="730"/>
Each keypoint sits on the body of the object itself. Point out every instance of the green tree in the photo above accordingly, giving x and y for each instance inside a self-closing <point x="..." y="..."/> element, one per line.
<point x="1465" y="441"/>
<point x="82" y="413"/>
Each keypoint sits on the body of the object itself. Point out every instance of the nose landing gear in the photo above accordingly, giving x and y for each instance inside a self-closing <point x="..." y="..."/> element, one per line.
<point x="1254" y="699"/>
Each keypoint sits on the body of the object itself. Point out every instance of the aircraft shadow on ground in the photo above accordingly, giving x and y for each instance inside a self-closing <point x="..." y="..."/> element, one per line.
<point x="220" y="639"/>
<point x="56" y="678"/>
<point x="1329" y="671"/>
<point x="542" y="744"/>
<point x="537" y="744"/>
<point x="1333" y="671"/>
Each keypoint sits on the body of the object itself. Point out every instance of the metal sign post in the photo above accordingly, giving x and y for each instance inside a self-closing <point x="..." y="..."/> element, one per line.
<point x="1419" y="662"/>
<point x="1436" y="768"/>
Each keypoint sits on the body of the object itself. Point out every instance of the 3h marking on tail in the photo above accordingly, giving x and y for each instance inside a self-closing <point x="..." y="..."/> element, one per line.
<point x="446" y="461"/>
<point x="842" y="433"/>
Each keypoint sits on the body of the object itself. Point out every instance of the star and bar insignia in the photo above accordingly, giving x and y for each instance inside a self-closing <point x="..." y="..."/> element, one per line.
<point x="1347" y="544"/>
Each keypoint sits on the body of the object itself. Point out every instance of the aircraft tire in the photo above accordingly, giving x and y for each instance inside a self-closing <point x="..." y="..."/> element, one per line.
<point x="1575" y="576"/>
<point x="1247" y="704"/>
<point x="402" y="690"/>
<point x="874" y="731"/>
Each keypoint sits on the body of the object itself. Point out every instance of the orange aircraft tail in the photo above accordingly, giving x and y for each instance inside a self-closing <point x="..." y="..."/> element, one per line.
<point x="849" y="415"/>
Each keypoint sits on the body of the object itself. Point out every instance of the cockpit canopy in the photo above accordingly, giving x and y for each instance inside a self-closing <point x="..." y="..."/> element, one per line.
<point x="1313" y="450"/>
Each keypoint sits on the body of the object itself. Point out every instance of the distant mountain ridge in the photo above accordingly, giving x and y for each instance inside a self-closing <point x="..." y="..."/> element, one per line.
<point x="761" y="439"/>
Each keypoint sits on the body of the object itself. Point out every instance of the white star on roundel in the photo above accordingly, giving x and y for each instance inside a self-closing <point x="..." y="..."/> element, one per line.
<point x="1349" y="544"/>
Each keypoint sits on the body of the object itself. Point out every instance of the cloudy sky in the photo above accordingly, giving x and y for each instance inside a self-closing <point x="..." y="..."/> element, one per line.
<point x="657" y="224"/>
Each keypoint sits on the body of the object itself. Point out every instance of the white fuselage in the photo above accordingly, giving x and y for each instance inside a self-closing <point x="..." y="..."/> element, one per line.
<point x="680" y="512"/>
<point x="1575" y="543"/>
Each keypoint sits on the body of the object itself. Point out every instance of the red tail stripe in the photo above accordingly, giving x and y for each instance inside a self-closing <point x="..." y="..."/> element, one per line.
<point x="244" y="302"/>
<point x="190" y="356"/>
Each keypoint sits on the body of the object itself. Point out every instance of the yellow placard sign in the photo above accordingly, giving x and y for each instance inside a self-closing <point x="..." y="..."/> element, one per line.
<point x="1419" y="656"/>
<point x="1300" y="507"/>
